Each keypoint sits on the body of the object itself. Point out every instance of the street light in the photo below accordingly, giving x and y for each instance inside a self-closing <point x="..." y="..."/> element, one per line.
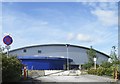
<point x="95" y="59"/>
<point x="67" y="56"/>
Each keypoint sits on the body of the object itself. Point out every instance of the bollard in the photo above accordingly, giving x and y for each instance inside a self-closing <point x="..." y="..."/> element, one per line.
<point x="118" y="75"/>
<point x="25" y="73"/>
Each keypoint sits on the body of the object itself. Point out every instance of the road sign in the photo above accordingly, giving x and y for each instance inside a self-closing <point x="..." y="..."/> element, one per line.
<point x="7" y="40"/>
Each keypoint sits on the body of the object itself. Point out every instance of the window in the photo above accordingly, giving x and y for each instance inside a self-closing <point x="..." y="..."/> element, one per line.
<point x="24" y="50"/>
<point x="39" y="51"/>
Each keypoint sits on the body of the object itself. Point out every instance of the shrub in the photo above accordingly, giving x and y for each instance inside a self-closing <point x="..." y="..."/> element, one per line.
<point x="92" y="71"/>
<point x="106" y="64"/>
<point x="11" y="68"/>
<point x="101" y="71"/>
<point x="87" y="65"/>
<point x="108" y="71"/>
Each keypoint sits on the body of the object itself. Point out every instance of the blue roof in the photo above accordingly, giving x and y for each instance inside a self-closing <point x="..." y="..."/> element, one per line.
<point x="41" y="57"/>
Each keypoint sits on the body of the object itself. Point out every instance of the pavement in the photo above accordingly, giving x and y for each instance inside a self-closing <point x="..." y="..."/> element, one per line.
<point x="81" y="78"/>
<point x="89" y="79"/>
<point x="68" y="76"/>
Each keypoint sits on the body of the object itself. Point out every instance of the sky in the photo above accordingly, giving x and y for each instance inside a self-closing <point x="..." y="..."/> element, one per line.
<point x="76" y="23"/>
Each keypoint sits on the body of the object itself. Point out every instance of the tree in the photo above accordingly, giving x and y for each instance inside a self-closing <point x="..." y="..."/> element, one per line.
<point x="115" y="62"/>
<point x="113" y="54"/>
<point x="11" y="68"/>
<point x="87" y="66"/>
<point x="91" y="54"/>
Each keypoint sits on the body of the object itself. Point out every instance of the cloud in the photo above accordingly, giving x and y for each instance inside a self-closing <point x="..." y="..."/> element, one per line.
<point x="105" y="27"/>
<point x="106" y="17"/>
<point x="106" y="13"/>
<point x="70" y="36"/>
<point x="79" y="37"/>
<point x="83" y="38"/>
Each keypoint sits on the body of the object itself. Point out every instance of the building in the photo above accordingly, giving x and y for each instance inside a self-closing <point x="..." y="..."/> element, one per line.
<point x="63" y="52"/>
<point x="44" y="63"/>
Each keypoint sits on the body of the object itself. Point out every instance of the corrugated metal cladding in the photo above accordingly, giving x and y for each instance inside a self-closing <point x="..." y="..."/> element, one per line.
<point x="44" y="63"/>
<point x="76" y="53"/>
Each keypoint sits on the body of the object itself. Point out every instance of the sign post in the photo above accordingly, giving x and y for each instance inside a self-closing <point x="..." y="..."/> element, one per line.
<point x="7" y="41"/>
<point x="95" y="62"/>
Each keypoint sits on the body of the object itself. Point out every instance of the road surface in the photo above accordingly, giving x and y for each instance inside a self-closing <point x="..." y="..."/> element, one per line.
<point x="81" y="78"/>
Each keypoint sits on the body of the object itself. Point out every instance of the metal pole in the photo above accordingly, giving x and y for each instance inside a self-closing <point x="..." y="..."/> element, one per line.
<point x="7" y="52"/>
<point x="95" y="65"/>
<point x="67" y="58"/>
<point x="7" y="47"/>
<point x="94" y="62"/>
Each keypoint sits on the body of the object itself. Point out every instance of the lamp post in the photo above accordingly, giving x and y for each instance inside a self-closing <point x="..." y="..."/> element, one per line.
<point x="95" y="59"/>
<point x="67" y="56"/>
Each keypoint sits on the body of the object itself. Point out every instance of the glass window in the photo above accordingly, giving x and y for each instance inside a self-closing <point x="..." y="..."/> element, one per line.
<point x="24" y="50"/>
<point x="39" y="51"/>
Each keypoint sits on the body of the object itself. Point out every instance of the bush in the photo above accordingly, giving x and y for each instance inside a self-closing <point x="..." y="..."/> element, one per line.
<point x="101" y="71"/>
<point x="109" y="71"/>
<point x="92" y="71"/>
<point x="107" y="68"/>
<point x="87" y="65"/>
<point x="106" y="64"/>
<point x="11" y="68"/>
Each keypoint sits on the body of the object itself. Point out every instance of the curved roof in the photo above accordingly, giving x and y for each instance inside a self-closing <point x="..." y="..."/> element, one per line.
<point x="58" y="45"/>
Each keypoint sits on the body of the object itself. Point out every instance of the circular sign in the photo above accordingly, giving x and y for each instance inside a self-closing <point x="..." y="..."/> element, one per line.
<point x="7" y="40"/>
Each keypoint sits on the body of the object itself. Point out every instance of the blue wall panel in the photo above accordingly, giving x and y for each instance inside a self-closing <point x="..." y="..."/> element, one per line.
<point x="33" y="64"/>
<point x="43" y="63"/>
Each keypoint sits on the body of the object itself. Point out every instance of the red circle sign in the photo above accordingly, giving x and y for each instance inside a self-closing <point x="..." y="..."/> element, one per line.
<point x="7" y="40"/>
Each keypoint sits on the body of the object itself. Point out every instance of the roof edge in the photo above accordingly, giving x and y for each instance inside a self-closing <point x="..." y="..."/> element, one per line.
<point x="59" y="45"/>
